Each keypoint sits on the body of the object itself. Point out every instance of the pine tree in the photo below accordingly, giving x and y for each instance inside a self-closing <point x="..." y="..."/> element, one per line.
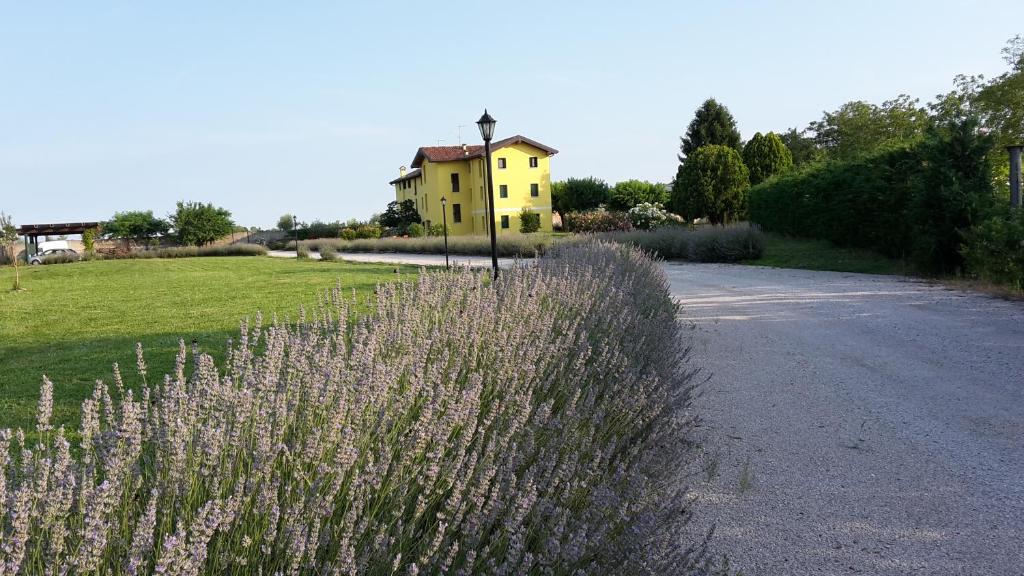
<point x="712" y="124"/>
<point x="765" y="156"/>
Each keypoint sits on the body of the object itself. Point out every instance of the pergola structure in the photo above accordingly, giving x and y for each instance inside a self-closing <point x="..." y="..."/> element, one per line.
<point x="32" y="232"/>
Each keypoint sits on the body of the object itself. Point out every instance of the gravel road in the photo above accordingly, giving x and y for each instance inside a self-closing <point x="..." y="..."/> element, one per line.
<point x="856" y="423"/>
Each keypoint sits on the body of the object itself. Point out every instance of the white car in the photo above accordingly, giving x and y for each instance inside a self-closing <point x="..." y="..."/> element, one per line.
<point x="56" y="248"/>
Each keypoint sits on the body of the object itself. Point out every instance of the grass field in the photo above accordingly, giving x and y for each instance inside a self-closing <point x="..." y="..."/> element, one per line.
<point x="73" y="321"/>
<point x="785" y="252"/>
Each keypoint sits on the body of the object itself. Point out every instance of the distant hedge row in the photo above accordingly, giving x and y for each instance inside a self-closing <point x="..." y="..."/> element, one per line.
<point x="914" y="203"/>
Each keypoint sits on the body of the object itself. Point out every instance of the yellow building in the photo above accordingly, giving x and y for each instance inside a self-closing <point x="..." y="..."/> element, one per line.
<point x="522" y="178"/>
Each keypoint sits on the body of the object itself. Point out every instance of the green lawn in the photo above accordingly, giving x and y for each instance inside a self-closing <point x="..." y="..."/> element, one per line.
<point x="73" y="321"/>
<point x="785" y="252"/>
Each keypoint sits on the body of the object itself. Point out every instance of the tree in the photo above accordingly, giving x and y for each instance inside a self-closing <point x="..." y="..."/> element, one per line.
<point x="713" y="182"/>
<point x="197" y="224"/>
<point x="712" y="124"/>
<point x="802" y="147"/>
<point x="765" y="156"/>
<point x="859" y="128"/>
<point x="286" y="222"/>
<point x="8" y="239"/>
<point x="627" y="194"/>
<point x="400" y="214"/>
<point x="998" y="104"/>
<point x="135" y="225"/>
<point x="579" y="194"/>
<point x="953" y="194"/>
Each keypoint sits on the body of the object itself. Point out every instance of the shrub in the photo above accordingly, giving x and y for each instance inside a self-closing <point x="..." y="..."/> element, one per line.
<point x="596" y="221"/>
<point x="415" y="230"/>
<point x="529" y="221"/>
<point x="509" y="245"/>
<point x="187" y="252"/>
<point x="302" y="253"/>
<point x="324" y="445"/>
<point x="994" y="250"/>
<point x="327" y="254"/>
<point x="368" y="231"/>
<point x="645" y="215"/>
<point x="629" y="193"/>
<point x="912" y="203"/>
<point x="712" y="183"/>
<point x="705" y="244"/>
<point x="89" y="239"/>
<point x="348" y="234"/>
<point x="435" y="230"/>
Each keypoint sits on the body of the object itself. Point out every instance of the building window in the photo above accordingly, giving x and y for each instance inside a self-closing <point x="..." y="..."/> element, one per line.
<point x="455" y="181"/>
<point x="504" y="222"/>
<point x="535" y="190"/>
<point x="457" y="213"/>
<point x="503" y="190"/>
<point x="533" y="161"/>
<point x="501" y="163"/>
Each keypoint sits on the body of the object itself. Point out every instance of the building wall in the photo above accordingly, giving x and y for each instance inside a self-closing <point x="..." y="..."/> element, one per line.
<point x="518" y="176"/>
<point x="435" y="181"/>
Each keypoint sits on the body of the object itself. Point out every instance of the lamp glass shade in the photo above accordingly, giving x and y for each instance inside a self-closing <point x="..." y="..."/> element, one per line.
<point x="443" y="200"/>
<point x="486" y="124"/>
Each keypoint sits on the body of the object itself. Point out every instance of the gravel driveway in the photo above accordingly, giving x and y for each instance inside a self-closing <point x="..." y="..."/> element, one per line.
<point x="856" y="423"/>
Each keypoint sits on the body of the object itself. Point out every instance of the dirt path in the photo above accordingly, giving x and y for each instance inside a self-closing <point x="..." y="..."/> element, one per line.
<point x="858" y="424"/>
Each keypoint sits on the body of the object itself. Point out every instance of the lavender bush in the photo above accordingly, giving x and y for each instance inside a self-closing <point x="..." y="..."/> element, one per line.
<point x="535" y="425"/>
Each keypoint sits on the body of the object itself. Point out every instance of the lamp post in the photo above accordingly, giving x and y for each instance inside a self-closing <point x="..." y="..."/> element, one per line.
<point x="444" y="219"/>
<point x="295" y="226"/>
<point x="486" y="124"/>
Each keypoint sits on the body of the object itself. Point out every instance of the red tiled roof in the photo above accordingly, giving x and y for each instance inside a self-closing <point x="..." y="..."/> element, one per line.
<point x="453" y="153"/>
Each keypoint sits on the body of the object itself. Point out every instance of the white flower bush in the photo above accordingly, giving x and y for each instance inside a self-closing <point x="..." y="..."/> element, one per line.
<point x="647" y="215"/>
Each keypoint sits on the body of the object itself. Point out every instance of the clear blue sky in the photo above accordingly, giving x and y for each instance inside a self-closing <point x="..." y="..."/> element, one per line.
<point x="266" y="108"/>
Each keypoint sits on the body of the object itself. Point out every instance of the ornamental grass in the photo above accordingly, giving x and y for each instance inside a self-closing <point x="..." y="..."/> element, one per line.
<point x="532" y="425"/>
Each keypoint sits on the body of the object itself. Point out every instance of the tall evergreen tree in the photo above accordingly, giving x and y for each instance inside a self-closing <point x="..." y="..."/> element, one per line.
<point x="712" y="183"/>
<point x="712" y="124"/>
<point x="765" y="156"/>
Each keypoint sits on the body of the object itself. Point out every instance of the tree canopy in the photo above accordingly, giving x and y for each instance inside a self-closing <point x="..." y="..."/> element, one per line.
<point x="135" y="225"/>
<point x="712" y="183"/>
<point x="286" y="222"/>
<point x="197" y="224"/>
<point x="766" y="156"/>
<point x="628" y="193"/>
<point x="712" y="124"/>
<point x="859" y="127"/>
<point x="400" y="214"/>
<point x="579" y="194"/>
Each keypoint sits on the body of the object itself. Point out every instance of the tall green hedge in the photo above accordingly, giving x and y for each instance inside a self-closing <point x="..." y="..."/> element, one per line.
<point x="913" y="203"/>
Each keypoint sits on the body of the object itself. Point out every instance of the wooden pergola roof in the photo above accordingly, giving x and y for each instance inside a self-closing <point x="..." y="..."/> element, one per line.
<point x="56" y="229"/>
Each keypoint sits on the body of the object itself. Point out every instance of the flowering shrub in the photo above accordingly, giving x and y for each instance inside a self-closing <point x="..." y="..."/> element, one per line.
<point x="704" y="244"/>
<point x="508" y="245"/>
<point x="599" y="220"/>
<point x="530" y="425"/>
<point x="647" y="215"/>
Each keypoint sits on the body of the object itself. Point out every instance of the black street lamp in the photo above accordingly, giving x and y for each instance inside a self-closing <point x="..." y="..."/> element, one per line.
<point x="444" y="218"/>
<point x="486" y="124"/>
<point x="295" y="226"/>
